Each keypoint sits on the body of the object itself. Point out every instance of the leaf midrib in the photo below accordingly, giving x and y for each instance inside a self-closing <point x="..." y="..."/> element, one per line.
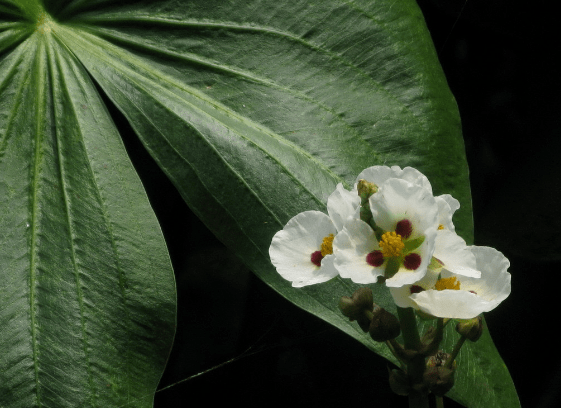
<point x="41" y="111"/>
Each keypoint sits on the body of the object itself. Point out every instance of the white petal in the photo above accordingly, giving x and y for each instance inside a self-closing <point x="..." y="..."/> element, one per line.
<point x="397" y="200"/>
<point x="447" y="205"/>
<point x="453" y="304"/>
<point x="401" y="296"/>
<point x="319" y="275"/>
<point x="379" y="174"/>
<point x="494" y="285"/>
<point x="452" y="202"/>
<point x="341" y="205"/>
<point x="454" y="253"/>
<point x="292" y="247"/>
<point x="350" y="248"/>
<point x="475" y="295"/>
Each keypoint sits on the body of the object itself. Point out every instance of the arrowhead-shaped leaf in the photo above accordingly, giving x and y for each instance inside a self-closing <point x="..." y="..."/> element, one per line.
<point x="254" y="109"/>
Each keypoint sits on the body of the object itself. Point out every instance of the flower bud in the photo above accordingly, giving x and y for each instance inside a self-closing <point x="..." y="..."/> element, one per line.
<point x="431" y="340"/>
<point x="358" y="307"/>
<point x="471" y="329"/>
<point x="438" y="359"/>
<point x="365" y="190"/>
<point x="399" y="382"/>
<point x="384" y="325"/>
<point x="438" y="378"/>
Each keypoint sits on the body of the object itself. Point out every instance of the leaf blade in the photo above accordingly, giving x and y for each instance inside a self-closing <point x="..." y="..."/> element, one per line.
<point x="89" y="277"/>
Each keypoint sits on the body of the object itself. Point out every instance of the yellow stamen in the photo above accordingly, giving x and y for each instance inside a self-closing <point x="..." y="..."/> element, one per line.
<point x="440" y="227"/>
<point x="447" y="283"/>
<point x="391" y="244"/>
<point x="327" y="245"/>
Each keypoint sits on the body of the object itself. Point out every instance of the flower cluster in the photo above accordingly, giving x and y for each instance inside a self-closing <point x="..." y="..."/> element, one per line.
<point x="391" y="228"/>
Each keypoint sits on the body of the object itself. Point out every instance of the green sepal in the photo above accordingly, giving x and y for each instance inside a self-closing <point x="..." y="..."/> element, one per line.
<point x="413" y="244"/>
<point x="391" y="268"/>
<point x="435" y="265"/>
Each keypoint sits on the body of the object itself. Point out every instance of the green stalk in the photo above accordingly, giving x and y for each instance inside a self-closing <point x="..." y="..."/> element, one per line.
<point x="416" y="366"/>
<point x="455" y="352"/>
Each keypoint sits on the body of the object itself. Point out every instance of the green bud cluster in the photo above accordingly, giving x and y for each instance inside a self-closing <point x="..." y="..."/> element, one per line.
<point x="425" y="368"/>
<point x="377" y="321"/>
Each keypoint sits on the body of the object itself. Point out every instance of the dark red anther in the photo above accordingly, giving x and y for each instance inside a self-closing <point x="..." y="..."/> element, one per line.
<point x="316" y="258"/>
<point x="412" y="261"/>
<point x="416" y="289"/>
<point x="375" y="258"/>
<point x="404" y="228"/>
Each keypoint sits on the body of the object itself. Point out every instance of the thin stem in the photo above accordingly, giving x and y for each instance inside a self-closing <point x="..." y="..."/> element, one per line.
<point x="392" y="345"/>
<point x="408" y="322"/>
<point x="455" y="352"/>
<point x="439" y="402"/>
<point x="415" y="366"/>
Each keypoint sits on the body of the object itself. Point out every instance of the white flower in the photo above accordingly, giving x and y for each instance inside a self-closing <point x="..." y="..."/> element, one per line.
<point x="407" y="215"/>
<point x="447" y="205"/>
<point x="302" y="250"/>
<point x="460" y="297"/>
<point x="379" y="174"/>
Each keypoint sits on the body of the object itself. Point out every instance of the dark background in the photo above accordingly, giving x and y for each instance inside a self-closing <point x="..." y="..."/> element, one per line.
<point x="500" y="58"/>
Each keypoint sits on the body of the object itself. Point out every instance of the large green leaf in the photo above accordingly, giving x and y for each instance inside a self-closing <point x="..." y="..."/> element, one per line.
<point x="254" y="109"/>
<point x="87" y="294"/>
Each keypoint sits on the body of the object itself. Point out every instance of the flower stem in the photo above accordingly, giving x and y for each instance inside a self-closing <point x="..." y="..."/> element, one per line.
<point x="392" y="345"/>
<point x="455" y="352"/>
<point x="416" y="366"/>
<point x="408" y="322"/>
<point x="439" y="402"/>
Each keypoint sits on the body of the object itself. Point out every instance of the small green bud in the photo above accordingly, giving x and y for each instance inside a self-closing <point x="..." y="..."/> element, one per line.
<point x="365" y="190"/>
<point x="472" y="329"/>
<point x="358" y="307"/>
<point x="384" y="325"/>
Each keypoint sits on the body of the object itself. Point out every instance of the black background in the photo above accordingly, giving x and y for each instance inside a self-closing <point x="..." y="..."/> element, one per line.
<point x="500" y="59"/>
